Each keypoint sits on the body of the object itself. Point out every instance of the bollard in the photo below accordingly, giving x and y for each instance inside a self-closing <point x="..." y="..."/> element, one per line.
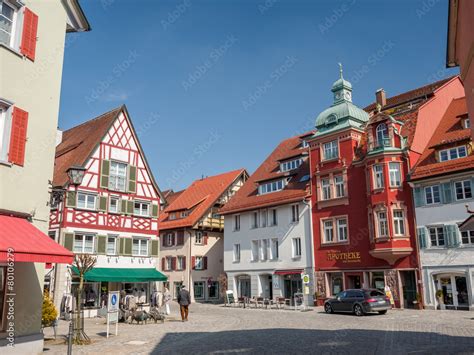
<point x="69" y="338"/>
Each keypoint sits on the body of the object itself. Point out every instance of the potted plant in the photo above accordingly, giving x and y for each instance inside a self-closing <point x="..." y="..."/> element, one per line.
<point x="418" y="303"/>
<point x="440" y="297"/>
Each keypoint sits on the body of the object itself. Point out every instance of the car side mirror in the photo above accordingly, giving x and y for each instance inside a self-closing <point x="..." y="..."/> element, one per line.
<point x="338" y="298"/>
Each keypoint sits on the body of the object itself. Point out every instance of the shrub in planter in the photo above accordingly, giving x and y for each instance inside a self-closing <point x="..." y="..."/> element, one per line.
<point x="49" y="312"/>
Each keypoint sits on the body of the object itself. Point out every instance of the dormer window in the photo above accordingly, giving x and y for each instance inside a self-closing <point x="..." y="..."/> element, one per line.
<point x="304" y="144"/>
<point x="272" y="186"/>
<point x="466" y="123"/>
<point x="382" y="135"/>
<point x="330" y="150"/>
<point x="453" y="153"/>
<point x="290" y="165"/>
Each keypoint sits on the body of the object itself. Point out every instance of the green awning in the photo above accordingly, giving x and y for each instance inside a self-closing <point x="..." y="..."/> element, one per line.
<point x="122" y="275"/>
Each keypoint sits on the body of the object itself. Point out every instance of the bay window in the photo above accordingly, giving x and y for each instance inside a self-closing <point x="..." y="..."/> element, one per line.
<point x="399" y="222"/>
<point x="394" y="174"/>
<point x="382" y="224"/>
<point x="378" y="176"/>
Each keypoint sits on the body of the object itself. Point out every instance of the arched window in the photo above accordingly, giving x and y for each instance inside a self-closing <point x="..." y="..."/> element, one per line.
<point x="382" y="135"/>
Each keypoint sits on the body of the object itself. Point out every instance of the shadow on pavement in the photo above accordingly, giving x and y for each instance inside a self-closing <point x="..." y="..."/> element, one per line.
<point x="305" y="341"/>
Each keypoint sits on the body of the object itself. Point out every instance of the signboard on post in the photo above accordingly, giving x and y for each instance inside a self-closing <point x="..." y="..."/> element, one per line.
<point x="113" y="310"/>
<point x="305" y="279"/>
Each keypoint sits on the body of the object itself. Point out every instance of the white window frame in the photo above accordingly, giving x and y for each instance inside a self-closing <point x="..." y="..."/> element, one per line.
<point x="272" y="186"/>
<point x="339" y="186"/>
<point x="463" y="187"/>
<point x="273" y="214"/>
<point x="198" y="238"/>
<point x="379" y="182"/>
<point x="141" y="211"/>
<point x="236" y="253"/>
<point x="16" y="29"/>
<point x="169" y="239"/>
<point x="169" y="263"/>
<point x="6" y="108"/>
<point x="382" y="136"/>
<point x="290" y="165"/>
<point x="180" y="262"/>
<point x="453" y="153"/>
<point x="83" y="243"/>
<point x="296" y="247"/>
<point x="382" y="224"/>
<point x="330" y="150"/>
<point x="275" y="253"/>
<point x="436" y="229"/>
<point x="342" y="225"/>
<point x="199" y="263"/>
<point x="470" y="237"/>
<point x="263" y="249"/>
<point x="466" y="123"/>
<point x="328" y="230"/>
<point x="254" y="250"/>
<point x="143" y="244"/>
<point x="236" y="222"/>
<point x="399" y="226"/>
<point x="117" y="200"/>
<point x="326" y="189"/>
<point x="88" y="196"/>
<point x="295" y="213"/>
<point x="395" y="174"/>
<point x="255" y="219"/>
<point x="115" y="177"/>
<point x="115" y="238"/>
<point x="430" y="193"/>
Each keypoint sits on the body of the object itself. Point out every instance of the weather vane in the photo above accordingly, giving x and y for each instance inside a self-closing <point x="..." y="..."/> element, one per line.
<point x="340" y="69"/>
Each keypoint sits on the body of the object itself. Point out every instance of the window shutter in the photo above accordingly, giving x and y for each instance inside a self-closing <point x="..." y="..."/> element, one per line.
<point x="205" y="238"/>
<point x="193" y="262"/>
<point x="447" y="192"/>
<point x="101" y="244"/>
<point x="154" y="248"/>
<point x="30" y="30"/>
<point x="173" y="263"/>
<point x="418" y="196"/>
<point x="451" y="236"/>
<point x="163" y="261"/>
<point x="130" y="207"/>
<point x="205" y="262"/>
<point x="132" y="178"/>
<point x="16" y="153"/>
<point x="457" y="236"/>
<point x="422" y="237"/>
<point x="121" y="250"/>
<point x="128" y="246"/>
<point x="180" y="238"/>
<point x="123" y="206"/>
<point x="103" y="203"/>
<point x="184" y="263"/>
<point x="69" y="241"/>
<point x="104" y="174"/>
<point x="154" y="210"/>
<point x="71" y="199"/>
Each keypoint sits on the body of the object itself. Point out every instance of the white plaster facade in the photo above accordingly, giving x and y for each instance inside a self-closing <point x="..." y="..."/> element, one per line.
<point x="266" y="277"/>
<point x="449" y="267"/>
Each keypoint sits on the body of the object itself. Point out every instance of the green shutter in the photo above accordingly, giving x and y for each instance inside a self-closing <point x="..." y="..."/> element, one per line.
<point x="103" y="203"/>
<point x="421" y="231"/>
<point x="69" y="241"/>
<point x="71" y="199"/>
<point x="123" y="206"/>
<point x="132" y="178"/>
<point x="154" y="248"/>
<point x="104" y="173"/>
<point x="121" y="249"/>
<point x="447" y="192"/>
<point x="128" y="246"/>
<point x="130" y="206"/>
<point x="154" y="210"/>
<point x="101" y="244"/>
<point x="452" y="235"/>
<point x="418" y="196"/>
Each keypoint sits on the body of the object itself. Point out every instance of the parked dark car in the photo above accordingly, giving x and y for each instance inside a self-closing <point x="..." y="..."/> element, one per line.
<point x="358" y="302"/>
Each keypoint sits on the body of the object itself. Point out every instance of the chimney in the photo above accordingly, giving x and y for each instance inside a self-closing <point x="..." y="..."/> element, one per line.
<point x="380" y="97"/>
<point x="59" y="137"/>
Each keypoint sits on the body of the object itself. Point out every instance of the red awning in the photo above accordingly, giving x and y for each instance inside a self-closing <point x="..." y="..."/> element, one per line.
<point x="29" y="244"/>
<point x="288" y="272"/>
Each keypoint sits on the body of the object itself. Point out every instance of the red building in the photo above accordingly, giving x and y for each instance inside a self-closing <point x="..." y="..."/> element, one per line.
<point x="363" y="215"/>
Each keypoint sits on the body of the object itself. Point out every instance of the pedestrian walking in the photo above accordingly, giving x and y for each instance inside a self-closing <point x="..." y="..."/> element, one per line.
<point x="184" y="300"/>
<point x="167" y="300"/>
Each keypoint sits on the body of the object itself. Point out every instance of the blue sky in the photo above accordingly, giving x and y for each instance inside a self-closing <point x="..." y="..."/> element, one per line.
<point x="215" y="85"/>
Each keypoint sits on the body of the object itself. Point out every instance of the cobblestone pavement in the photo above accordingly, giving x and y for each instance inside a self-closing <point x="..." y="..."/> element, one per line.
<point x="214" y="329"/>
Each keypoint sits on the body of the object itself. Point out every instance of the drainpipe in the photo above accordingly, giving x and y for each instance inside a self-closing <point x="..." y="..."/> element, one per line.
<point x="312" y="266"/>
<point x="190" y="268"/>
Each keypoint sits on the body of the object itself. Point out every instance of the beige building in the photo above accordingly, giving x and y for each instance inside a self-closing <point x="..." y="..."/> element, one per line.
<point x="192" y="232"/>
<point x="32" y="41"/>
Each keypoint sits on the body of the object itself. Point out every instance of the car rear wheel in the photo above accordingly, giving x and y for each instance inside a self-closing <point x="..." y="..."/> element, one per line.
<point x="328" y="308"/>
<point x="358" y="311"/>
<point x="383" y="312"/>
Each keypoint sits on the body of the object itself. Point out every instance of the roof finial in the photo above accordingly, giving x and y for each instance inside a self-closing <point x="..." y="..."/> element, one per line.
<point x="340" y="69"/>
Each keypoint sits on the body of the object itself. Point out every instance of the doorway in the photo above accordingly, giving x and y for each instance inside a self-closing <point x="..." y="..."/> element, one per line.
<point x="243" y="286"/>
<point x="293" y="284"/>
<point x="409" y="288"/>
<point x="455" y="292"/>
<point x="354" y="281"/>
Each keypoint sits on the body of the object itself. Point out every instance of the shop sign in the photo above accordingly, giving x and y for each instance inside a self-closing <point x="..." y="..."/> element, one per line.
<point x="345" y="257"/>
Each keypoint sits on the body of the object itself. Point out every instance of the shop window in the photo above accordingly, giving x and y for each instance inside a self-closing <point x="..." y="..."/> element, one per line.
<point x="399" y="222"/>
<point x="467" y="238"/>
<point x="83" y="243"/>
<point x="213" y="289"/>
<point x="336" y="283"/>
<point x="378" y="281"/>
<point x="199" y="290"/>
<point x="437" y="237"/>
<point x="432" y="194"/>
<point x="140" y="290"/>
<point x="90" y="293"/>
<point x="463" y="189"/>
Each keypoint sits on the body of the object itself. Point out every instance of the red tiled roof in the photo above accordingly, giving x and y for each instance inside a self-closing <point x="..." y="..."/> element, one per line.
<point x="201" y="196"/>
<point x="247" y="198"/>
<point x="170" y="195"/>
<point x="421" y="93"/>
<point x="449" y="131"/>
<point x="79" y="142"/>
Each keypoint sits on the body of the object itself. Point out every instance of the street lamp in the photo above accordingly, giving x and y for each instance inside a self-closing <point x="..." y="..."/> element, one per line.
<point x="76" y="174"/>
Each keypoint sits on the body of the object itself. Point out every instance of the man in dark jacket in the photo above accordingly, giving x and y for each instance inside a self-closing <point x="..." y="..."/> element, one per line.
<point x="184" y="300"/>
